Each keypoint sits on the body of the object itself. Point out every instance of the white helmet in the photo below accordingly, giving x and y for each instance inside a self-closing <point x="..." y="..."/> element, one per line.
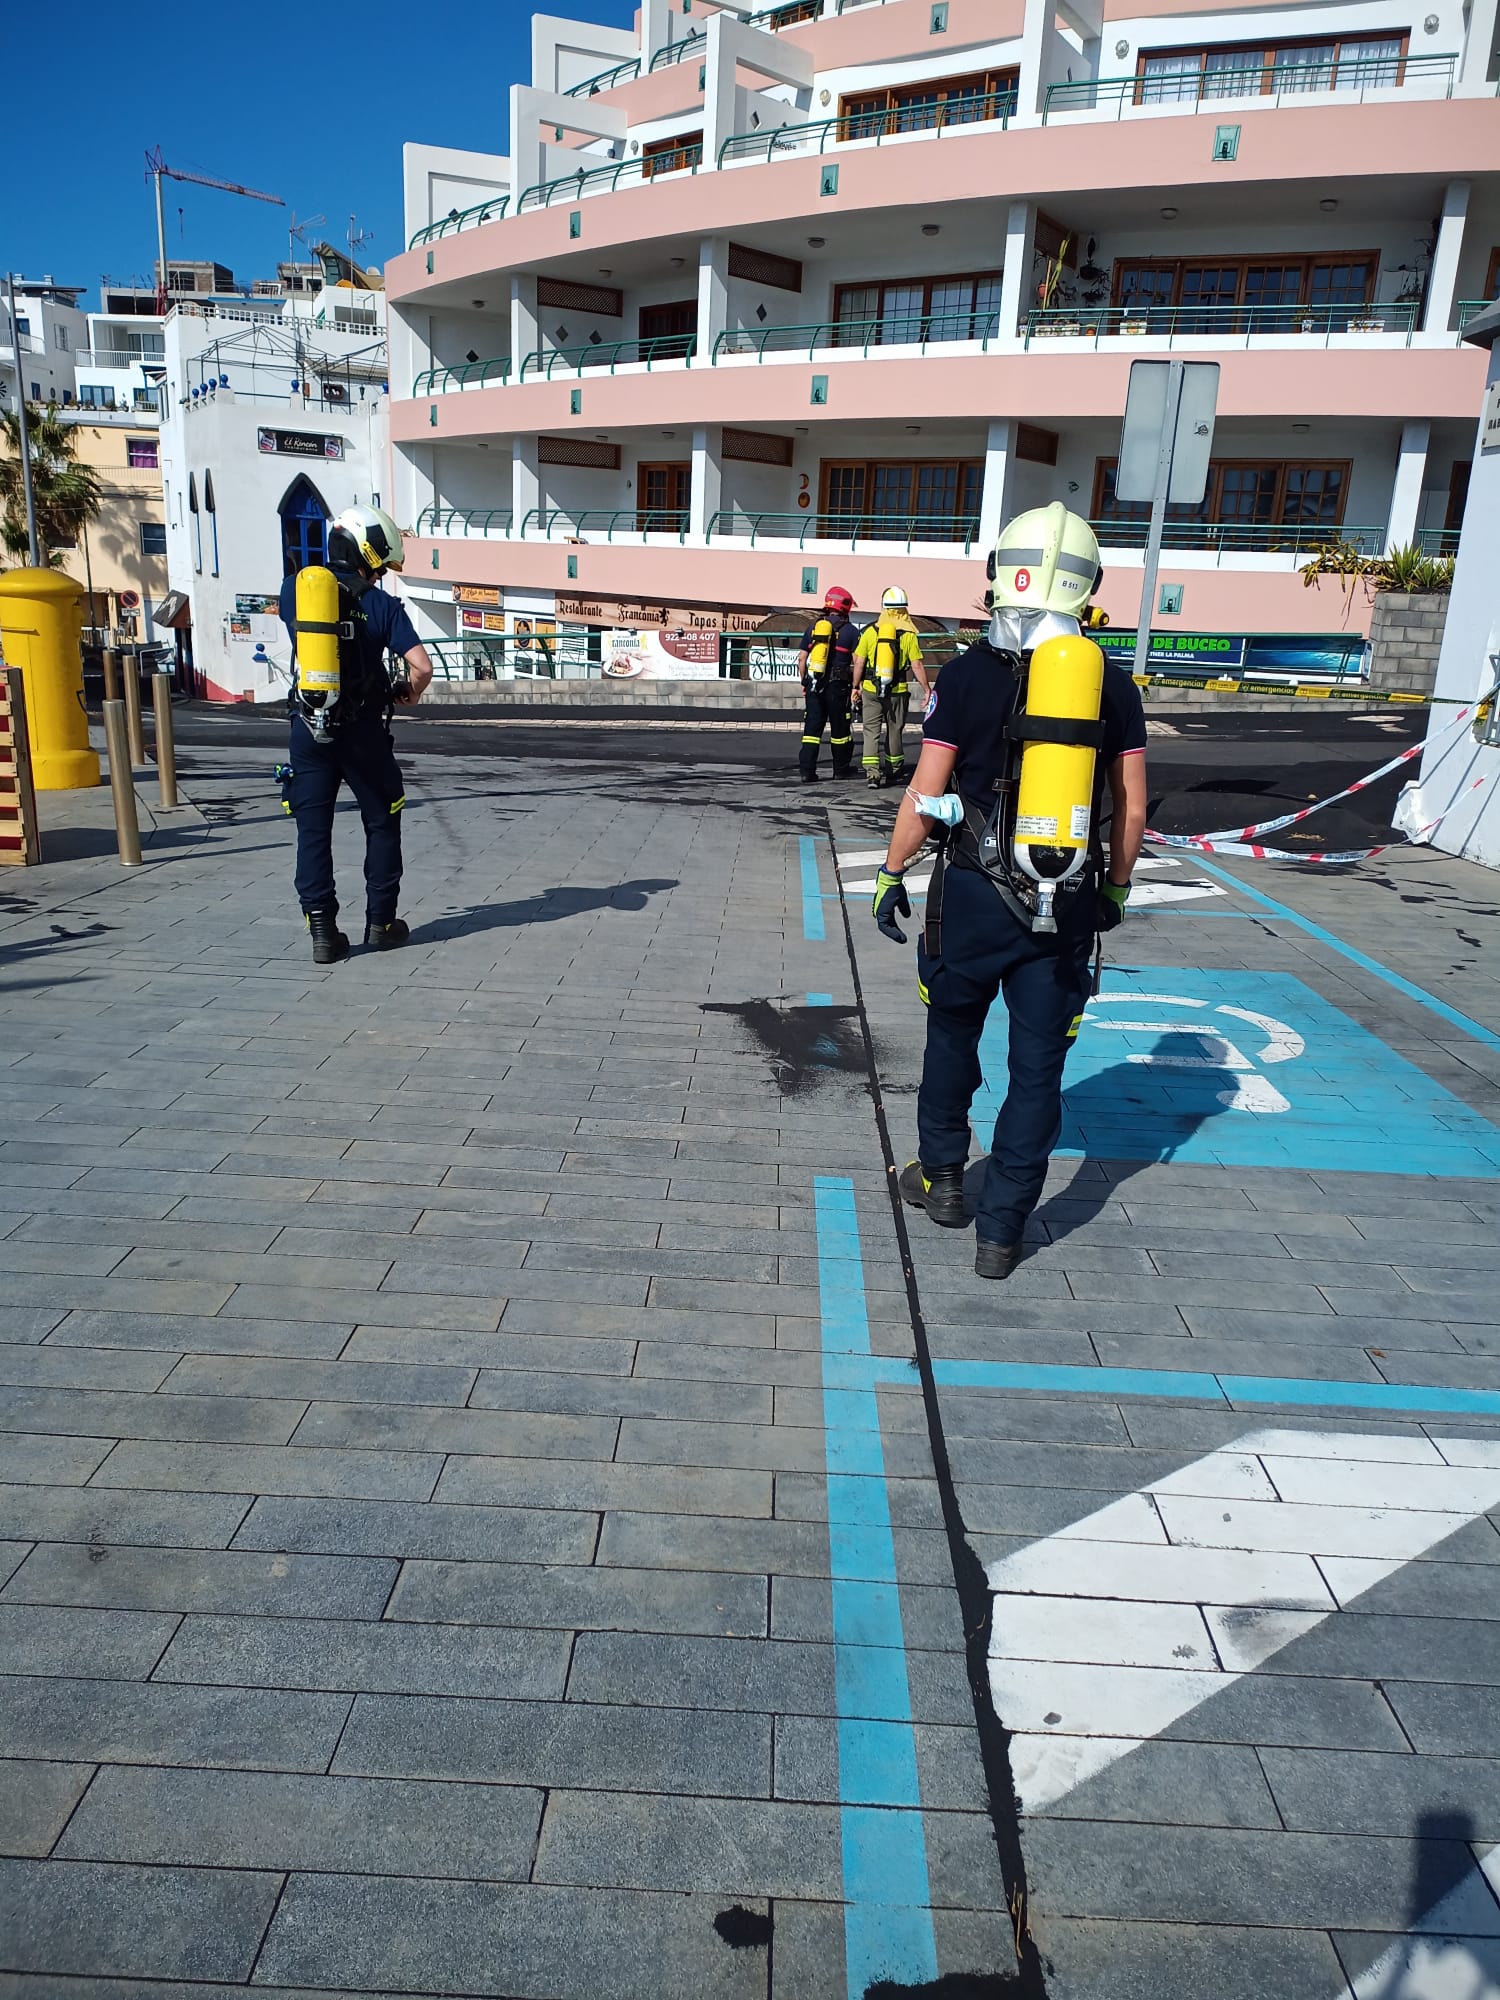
<point x="893" y="598"/>
<point x="1045" y="560"/>
<point x="376" y="538"/>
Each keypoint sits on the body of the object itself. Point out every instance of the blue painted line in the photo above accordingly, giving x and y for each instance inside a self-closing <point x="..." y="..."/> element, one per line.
<point x="812" y="894"/>
<point x="888" y="1928"/>
<point x="820" y="999"/>
<point x="1288" y="1391"/>
<point x="1334" y="943"/>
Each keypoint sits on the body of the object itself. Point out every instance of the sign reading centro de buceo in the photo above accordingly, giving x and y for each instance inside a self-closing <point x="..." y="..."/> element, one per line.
<point x="299" y="444"/>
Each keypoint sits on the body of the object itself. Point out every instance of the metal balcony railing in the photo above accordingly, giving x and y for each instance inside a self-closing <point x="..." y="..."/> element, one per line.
<point x="608" y="354"/>
<point x="467" y="218"/>
<point x="607" y="79"/>
<point x="858" y="336"/>
<point x="462" y="521"/>
<point x="1439" y="541"/>
<point x="118" y="357"/>
<point x="1190" y="322"/>
<point x="465" y="375"/>
<point x="1471" y="309"/>
<point x="694" y="44"/>
<point x="562" y="524"/>
<point x="997" y="107"/>
<point x="606" y="177"/>
<point x="1268" y="84"/>
<point x="1240" y="537"/>
<point x="847" y="530"/>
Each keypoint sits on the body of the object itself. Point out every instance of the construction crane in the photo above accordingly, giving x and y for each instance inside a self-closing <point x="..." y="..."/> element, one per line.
<point x="158" y="171"/>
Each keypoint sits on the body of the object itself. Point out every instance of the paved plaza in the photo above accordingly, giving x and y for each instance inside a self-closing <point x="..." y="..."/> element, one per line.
<point x="497" y="1501"/>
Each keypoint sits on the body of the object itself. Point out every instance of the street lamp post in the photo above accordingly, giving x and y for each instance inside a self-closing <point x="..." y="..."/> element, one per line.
<point x="15" y="334"/>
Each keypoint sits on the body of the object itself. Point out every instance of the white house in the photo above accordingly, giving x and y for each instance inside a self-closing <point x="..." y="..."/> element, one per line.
<point x="43" y="345"/>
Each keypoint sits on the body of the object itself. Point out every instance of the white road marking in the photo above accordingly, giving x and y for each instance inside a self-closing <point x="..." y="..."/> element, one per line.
<point x="1104" y="1635"/>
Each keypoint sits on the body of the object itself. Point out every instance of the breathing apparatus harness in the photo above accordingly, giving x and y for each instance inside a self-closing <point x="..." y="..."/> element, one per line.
<point x="332" y="683"/>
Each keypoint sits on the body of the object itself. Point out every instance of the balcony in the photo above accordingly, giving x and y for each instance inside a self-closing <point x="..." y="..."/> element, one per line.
<point x="462" y="218"/>
<point x="1350" y="80"/>
<point x="609" y="175"/>
<point x="848" y="531"/>
<point x="543" y="363"/>
<point x="119" y="357"/>
<point x="1232" y="538"/>
<point x="465" y="375"/>
<point x="870" y="128"/>
<point x="1471" y="309"/>
<point x="858" y="335"/>
<point x="1439" y="541"/>
<point x="1195" y="323"/>
<point x="463" y="522"/>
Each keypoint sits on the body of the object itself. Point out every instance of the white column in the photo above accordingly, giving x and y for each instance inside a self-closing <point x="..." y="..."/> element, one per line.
<point x="719" y="79"/>
<point x="1406" y="491"/>
<point x="999" y="468"/>
<point x="1442" y="282"/>
<point x="713" y="295"/>
<point x="525" y="479"/>
<point x="708" y="480"/>
<point x="1478" y="42"/>
<point x="1015" y="279"/>
<point x="1036" y="44"/>
<point x="525" y="327"/>
<point x="661" y="24"/>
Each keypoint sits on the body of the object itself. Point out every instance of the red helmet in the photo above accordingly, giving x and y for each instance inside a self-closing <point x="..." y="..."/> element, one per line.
<point x="838" y="599"/>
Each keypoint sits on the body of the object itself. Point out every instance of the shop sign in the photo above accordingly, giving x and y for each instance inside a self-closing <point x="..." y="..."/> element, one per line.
<point x="298" y="444"/>
<point x="478" y="593"/>
<point x="256" y="604"/>
<point x="624" y="614"/>
<point x="1210" y="650"/>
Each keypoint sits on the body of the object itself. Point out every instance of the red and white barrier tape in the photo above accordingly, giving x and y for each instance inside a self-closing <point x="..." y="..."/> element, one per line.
<point x="1214" y="844"/>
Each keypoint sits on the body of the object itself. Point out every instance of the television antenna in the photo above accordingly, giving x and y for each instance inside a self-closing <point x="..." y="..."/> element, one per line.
<point x="298" y="233"/>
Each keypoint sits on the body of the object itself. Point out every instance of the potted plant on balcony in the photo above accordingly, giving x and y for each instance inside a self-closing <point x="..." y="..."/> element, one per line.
<point x="1052" y="293"/>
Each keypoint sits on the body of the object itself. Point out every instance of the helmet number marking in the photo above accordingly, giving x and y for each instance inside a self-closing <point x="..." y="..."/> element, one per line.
<point x="1023" y="579"/>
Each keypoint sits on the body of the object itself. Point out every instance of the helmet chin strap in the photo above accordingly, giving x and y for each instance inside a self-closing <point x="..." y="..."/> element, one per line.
<point x="1013" y="630"/>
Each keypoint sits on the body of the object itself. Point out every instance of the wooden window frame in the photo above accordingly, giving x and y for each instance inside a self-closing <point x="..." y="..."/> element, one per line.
<point x="882" y="285"/>
<point x="868" y="106"/>
<point x="656" y="152"/>
<point x="1267" y="48"/>
<point x="1217" y="468"/>
<point x="680" y="466"/>
<point x="829" y="465"/>
<point x="1243" y="263"/>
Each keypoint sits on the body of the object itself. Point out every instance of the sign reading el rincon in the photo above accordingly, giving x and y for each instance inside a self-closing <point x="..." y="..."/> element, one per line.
<point x="625" y="614"/>
<point x="298" y="444"/>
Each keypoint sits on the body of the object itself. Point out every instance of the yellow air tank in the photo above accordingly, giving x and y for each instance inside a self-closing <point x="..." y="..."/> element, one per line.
<point x="822" y="643"/>
<point x="1055" y="800"/>
<point x="887" y="648"/>
<point x="318" y="643"/>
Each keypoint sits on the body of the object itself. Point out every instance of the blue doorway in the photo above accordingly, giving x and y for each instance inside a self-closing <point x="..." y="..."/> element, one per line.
<point x="304" y="526"/>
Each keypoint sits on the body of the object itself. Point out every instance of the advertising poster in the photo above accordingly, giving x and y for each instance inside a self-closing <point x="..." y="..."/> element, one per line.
<point x="677" y="655"/>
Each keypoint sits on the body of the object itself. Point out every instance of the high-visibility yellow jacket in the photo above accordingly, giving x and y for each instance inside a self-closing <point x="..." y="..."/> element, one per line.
<point x="884" y="665"/>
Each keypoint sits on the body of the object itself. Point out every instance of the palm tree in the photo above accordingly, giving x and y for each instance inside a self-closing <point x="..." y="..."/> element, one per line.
<point x="67" y="494"/>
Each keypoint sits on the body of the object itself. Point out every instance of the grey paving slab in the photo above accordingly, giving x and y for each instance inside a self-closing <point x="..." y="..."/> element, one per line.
<point x="145" y="1722"/>
<point x="403" y="1309"/>
<point x="36" y="1800"/>
<point x="70" y="1367"/>
<point x="289" y="1586"/>
<point x="1364" y="1792"/>
<point x="519" y="1482"/>
<point x="35" y="1459"/>
<point x="111" y="1922"/>
<point x="88" y="1514"/>
<point x="602" y="1599"/>
<point x="578" y="1393"/>
<point x="1445" y="1718"/>
<point x="740" y="1329"/>
<point x="52" y="1639"/>
<point x="708" y="1847"/>
<point x="365" y="1655"/>
<point x="1090" y="1960"/>
<point x="503" y="1940"/>
<point x="27" y="1324"/>
<point x="539" y="1356"/>
<point x="367" y="1826"/>
<point x="336" y="1381"/>
<point x="583" y="1745"/>
<point x="309" y="1339"/>
<point x="123" y="1413"/>
<point x="200" y="1468"/>
<point x="433" y="1530"/>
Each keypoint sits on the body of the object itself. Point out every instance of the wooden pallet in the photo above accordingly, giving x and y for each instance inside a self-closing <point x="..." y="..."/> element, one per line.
<point x="19" y="843"/>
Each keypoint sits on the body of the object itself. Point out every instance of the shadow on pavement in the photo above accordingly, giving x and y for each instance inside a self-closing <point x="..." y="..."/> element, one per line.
<point x="549" y="907"/>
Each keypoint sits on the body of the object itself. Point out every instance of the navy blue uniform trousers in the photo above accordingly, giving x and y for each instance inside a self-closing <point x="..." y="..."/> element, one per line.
<point x="1045" y="983"/>
<point x="827" y="706"/>
<point x="360" y="754"/>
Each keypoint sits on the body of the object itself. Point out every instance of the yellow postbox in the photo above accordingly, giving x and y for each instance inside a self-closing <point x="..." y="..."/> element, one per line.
<point x="41" y="632"/>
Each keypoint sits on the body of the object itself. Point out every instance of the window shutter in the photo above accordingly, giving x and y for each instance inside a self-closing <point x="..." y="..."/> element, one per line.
<point x="579" y="451"/>
<point x="758" y="447"/>
<point x="607" y="301"/>
<point x="764" y="267"/>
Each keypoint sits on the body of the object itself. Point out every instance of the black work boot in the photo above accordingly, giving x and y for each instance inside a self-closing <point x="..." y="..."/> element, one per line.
<point x="328" y="941"/>
<point x="995" y="1260"/>
<point x="940" y="1192"/>
<point x="387" y="937"/>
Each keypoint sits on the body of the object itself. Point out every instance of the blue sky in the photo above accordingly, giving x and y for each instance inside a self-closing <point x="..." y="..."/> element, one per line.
<point x="248" y="97"/>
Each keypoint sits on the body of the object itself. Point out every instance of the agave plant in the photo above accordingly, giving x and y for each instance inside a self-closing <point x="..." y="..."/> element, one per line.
<point x="1406" y="568"/>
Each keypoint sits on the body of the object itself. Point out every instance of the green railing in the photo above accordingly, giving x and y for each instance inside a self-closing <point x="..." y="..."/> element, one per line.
<point x="561" y="523"/>
<point x="996" y="108"/>
<point x="501" y="656"/>
<point x="467" y="374"/>
<point x="605" y="178"/>
<point x="1439" y="541"/>
<point x="610" y="354"/>
<point x="1190" y="322"/>
<point x="1222" y="538"/>
<point x="857" y="335"/>
<point x="848" y="530"/>
<point x="1274" y="83"/>
<point x="457" y="219"/>
<point x="1469" y="309"/>
<point x="464" y="521"/>
<point x="695" y="44"/>
<point x="607" y="79"/>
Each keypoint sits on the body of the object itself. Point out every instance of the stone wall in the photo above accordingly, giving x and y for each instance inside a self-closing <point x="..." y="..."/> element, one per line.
<point x="1406" y="636"/>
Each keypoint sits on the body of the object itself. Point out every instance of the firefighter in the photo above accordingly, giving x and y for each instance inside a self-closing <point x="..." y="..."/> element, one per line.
<point x="888" y="659"/>
<point x="1023" y="885"/>
<point x="826" y="664"/>
<point x="346" y="739"/>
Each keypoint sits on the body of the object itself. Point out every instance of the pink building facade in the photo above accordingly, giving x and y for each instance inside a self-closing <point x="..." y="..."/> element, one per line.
<point x="768" y="299"/>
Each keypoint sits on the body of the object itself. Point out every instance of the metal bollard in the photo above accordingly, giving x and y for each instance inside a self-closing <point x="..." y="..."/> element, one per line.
<point x="122" y="785"/>
<point x="130" y="665"/>
<point x="166" y="744"/>
<point x="111" y="661"/>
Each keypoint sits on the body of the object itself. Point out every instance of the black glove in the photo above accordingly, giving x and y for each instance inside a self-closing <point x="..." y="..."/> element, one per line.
<point x="1113" y="896"/>
<point x="891" y="901"/>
